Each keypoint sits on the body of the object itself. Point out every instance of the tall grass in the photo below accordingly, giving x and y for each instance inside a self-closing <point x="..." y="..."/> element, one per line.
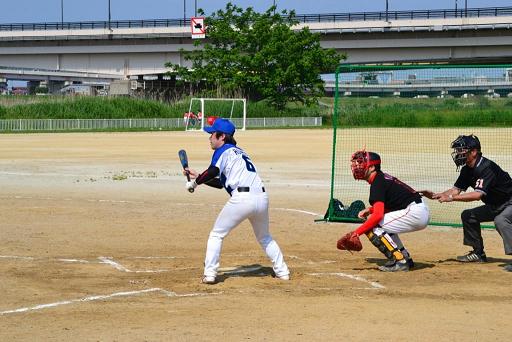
<point x="389" y="112"/>
<point x="353" y="112"/>
<point x="51" y="107"/>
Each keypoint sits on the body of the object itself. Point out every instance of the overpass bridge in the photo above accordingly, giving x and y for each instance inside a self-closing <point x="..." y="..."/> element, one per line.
<point x="109" y="50"/>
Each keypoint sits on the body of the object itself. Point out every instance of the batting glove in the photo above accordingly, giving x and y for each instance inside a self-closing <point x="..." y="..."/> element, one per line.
<point x="191" y="185"/>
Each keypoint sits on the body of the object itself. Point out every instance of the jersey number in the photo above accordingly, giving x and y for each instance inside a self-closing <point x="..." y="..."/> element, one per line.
<point x="479" y="183"/>
<point x="248" y="164"/>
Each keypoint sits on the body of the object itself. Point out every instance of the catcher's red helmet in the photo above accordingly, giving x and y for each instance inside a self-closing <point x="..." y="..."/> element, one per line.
<point x="361" y="161"/>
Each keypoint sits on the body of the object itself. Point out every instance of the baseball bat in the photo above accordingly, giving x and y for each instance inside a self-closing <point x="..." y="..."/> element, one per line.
<point x="184" y="162"/>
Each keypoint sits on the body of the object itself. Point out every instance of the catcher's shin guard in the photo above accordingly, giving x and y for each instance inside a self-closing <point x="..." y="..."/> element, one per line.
<point x="386" y="245"/>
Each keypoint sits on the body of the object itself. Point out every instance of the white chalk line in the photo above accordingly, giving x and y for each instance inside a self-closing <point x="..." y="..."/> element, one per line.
<point x="74" y="260"/>
<point x="311" y="262"/>
<point x="142" y="202"/>
<point x="351" y="276"/>
<point x="155" y="257"/>
<point x="108" y="261"/>
<point x="119" y="267"/>
<point x="298" y="211"/>
<point x="15" y="257"/>
<point x="104" y="297"/>
<point x="94" y="200"/>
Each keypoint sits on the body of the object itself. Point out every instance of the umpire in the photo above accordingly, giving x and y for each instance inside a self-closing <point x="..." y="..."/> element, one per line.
<point x="491" y="185"/>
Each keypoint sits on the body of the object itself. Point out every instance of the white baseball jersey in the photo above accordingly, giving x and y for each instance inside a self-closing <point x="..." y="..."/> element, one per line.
<point x="236" y="168"/>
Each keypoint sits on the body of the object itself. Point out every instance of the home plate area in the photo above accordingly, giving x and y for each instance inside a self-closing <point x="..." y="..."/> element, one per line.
<point x="160" y="269"/>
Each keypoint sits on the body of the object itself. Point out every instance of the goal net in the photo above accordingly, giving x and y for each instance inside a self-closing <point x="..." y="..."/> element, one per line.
<point x="202" y="112"/>
<point x="409" y="115"/>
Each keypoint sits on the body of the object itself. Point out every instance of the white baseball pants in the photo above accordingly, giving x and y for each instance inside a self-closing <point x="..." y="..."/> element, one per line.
<point x="413" y="218"/>
<point x="241" y="206"/>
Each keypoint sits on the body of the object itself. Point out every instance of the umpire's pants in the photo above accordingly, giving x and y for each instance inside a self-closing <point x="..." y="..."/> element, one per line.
<point x="502" y="217"/>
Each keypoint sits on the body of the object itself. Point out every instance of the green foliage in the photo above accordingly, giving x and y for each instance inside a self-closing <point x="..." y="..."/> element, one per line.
<point x="391" y="112"/>
<point x="41" y="90"/>
<point x="89" y="108"/>
<point x="259" y="55"/>
<point x="51" y="107"/>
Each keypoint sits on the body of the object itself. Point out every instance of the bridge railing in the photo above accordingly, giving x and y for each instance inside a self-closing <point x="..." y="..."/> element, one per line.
<point x="31" y="125"/>
<point x="303" y="18"/>
<point x="407" y="15"/>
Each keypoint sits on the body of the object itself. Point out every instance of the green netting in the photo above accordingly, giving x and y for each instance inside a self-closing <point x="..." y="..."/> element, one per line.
<point x="410" y="115"/>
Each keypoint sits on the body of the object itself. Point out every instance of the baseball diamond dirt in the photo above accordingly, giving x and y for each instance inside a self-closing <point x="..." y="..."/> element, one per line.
<point x="100" y="241"/>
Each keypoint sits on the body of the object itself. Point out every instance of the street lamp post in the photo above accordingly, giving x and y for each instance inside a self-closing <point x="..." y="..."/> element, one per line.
<point x="387" y="10"/>
<point x="466" y="8"/>
<point x="195" y="8"/>
<point x="184" y="11"/>
<point x="62" y="12"/>
<point x="109" y="15"/>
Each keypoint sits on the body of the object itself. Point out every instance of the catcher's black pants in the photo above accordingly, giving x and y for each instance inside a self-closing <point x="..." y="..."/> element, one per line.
<point x="502" y="217"/>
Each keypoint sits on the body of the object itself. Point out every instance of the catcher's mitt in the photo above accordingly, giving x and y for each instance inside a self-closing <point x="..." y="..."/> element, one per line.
<point x="350" y="242"/>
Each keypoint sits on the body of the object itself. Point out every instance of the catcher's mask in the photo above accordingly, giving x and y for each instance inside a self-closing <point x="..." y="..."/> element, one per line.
<point x="461" y="148"/>
<point x="361" y="161"/>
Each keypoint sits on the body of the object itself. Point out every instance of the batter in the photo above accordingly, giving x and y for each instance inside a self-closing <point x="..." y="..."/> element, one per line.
<point x="232" y="169"/>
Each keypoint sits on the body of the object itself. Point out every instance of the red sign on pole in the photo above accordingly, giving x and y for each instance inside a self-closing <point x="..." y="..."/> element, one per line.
<point x="197" y="27"/>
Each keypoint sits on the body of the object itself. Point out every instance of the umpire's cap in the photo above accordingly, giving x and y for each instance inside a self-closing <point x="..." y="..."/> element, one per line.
<point x="221" y="125"/>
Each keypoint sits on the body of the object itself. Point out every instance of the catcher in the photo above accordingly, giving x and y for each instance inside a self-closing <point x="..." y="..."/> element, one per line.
<point x="395" y="208"/>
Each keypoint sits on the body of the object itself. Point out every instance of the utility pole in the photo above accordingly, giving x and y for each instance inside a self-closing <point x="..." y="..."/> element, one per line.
<point x="195" y="8"/>
<point x="466" y="7"/>
<point x="184" y="11"/>
<point x="62" y="12"/>
<point x="456" y="8"/>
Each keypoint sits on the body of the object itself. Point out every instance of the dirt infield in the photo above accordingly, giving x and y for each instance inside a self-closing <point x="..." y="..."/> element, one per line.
<point x="100" y="241"/>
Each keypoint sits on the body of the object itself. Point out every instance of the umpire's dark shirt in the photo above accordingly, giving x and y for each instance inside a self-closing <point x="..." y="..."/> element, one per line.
<point x="395" y="194"/>
<point x="489" y="179"/>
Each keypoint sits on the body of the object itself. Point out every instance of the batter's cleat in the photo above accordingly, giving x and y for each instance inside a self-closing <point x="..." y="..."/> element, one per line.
<point x="210" y="280"/>
<point x="391" y="262"/>
<point x="284" y="277"/>
<point x="508" y="268"/>
<point x="472" y="257"/>
<point x="399" y="266"/>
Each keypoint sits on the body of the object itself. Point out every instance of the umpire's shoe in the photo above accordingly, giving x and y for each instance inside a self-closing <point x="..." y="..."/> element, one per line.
<point x="508" y="268"/>
<point x="472" y="257"/>
<point x="398" y="266"/>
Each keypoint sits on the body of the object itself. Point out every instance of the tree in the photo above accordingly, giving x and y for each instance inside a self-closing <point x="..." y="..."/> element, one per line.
<point x="260" y="56"/>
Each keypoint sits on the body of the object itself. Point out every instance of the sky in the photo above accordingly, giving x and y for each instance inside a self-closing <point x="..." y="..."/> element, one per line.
<point x="30" y="11"/>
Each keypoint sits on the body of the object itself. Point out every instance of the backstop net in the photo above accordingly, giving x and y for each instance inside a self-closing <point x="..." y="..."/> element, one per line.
<point x="410" y="115"/>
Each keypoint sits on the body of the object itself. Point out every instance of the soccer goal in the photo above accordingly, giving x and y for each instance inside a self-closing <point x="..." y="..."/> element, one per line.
<point x="409" y="115"/>
<point x="203" y="111"/>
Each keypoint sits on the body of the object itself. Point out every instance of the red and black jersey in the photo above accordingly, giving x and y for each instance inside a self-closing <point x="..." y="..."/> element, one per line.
<point x="395" y="194"/>
<point x="489" y="179"/>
